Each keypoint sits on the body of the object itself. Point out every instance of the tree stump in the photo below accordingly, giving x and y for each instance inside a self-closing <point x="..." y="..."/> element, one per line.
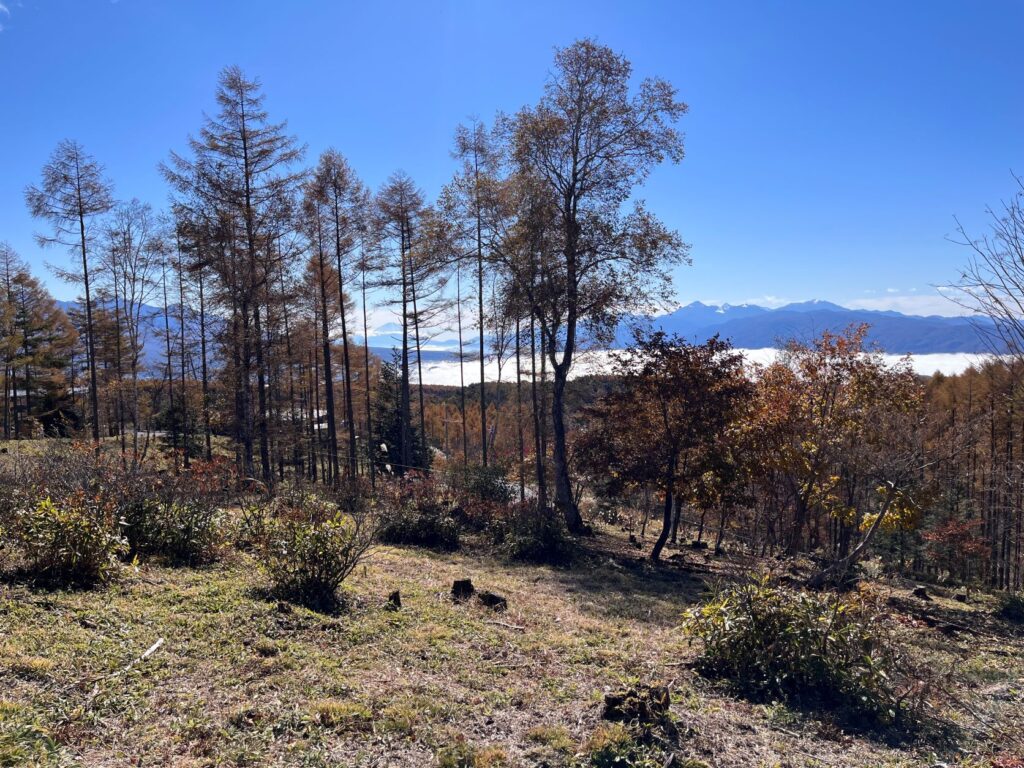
<point x="462" y="590"/>
<point x="644" y="704"/>
<point x="494" y="602"/>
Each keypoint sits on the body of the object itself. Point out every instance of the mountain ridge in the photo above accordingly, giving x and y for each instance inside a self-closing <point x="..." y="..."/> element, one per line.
<point x="750" y="326"/>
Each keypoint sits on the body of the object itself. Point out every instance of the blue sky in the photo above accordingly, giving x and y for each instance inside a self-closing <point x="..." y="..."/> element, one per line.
<point x="829" y="145"/>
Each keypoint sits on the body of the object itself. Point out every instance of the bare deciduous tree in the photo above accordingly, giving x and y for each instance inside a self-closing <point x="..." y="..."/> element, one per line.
<point x="993" y="280"/>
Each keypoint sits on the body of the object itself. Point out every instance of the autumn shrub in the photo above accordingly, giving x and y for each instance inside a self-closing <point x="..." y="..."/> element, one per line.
<point x="308" y="552"/>
<point x="215" y="481"/>
<point x="64" y="468"/>
<point x="808" y="650"/>
<point x="175" y="517"/>
<point x="418" y="511"/>
<point x="251" y="526"/>
<point x="76" y="542"/>
<point x="527" y="533"/>
<point x="350" y="494"/>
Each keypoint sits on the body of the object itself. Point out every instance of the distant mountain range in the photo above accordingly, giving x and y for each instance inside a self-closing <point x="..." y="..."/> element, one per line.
<point x="749" y="326"/>
<point x="746" y="326"/>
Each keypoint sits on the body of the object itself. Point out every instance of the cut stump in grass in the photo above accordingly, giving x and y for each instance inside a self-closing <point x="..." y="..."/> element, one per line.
<point x="462" y="590"/>
<point x="643" y="704"/>
<point x="495" y="602"/>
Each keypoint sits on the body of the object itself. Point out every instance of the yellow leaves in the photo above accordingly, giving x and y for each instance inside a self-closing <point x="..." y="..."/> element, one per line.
<point x="903" y="514"/>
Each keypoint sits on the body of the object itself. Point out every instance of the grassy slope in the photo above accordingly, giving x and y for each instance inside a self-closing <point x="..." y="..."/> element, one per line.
<point x="242" y="680"/>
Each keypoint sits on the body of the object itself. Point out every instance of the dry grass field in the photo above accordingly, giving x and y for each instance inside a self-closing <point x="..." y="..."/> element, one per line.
<point x="241" y="679"/>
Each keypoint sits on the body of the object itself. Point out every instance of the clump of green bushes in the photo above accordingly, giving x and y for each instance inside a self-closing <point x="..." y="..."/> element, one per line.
<point x="527" y="533"/>
<point x="75" y="542"/>
<point x="809" y="650"/>
<point x="418" y="511"/>
<point x="177" y="518"/>
<point x="185" y="531"/>
<point x="481" y="483"/>
<point x="308" y="547"/>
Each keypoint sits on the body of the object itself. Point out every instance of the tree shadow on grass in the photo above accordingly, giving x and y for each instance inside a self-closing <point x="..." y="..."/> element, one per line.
<point x="28" y="578"/>
<point x="627" y="586"/>
<point x="332" y="605"/>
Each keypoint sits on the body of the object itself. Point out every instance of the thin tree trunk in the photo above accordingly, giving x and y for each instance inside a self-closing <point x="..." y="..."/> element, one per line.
<point x="346" y="363"/>
<point x="406" y="406"/>
<point x="480" y="307"/>
<point x="538" y="416"/>
<point x="170" y="373"/>
<point x="462" y="363"/>
<point x="90" y="341"/>
<point x="261" y="399"/>
<point x="416" y="340"/>
<point x="369" y="414"/>
<point x="184" y="390"/>
<point x="332" y="430"/>
<point x="118" y="370"/>
<point x="519" y="414"/>
<point x="666" y="519"/>
<point x="206" y="381"/>
<point x="563" y="483"/>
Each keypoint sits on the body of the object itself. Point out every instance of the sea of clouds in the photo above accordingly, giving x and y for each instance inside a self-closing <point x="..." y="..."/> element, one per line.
<point x="447" y="372"/>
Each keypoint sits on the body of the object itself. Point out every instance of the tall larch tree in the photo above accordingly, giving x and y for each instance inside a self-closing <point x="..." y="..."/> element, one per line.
<point x="72" y="194"/>
<point x="337" y="186"/>
<point x="244" y="167"/>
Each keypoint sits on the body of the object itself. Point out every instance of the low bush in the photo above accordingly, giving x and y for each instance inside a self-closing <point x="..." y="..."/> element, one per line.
<point x="480" y="495"/>
<point x="524" y="532"/>
<point x="1011" y="607"/>
<point x="187" y="532"/>
<point x="250" y="530"/>
<point x="77" y="542"/>
<point x="161" y="522"/>
<point x="805" y="649"/>
<point x="215" y="480"/>
<point x="308" y="553"/>
<point x="417" y="511"/>
<point x="481" y="483"/>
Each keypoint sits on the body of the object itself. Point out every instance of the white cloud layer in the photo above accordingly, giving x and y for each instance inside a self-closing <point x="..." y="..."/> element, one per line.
<point x="594" y="362"/>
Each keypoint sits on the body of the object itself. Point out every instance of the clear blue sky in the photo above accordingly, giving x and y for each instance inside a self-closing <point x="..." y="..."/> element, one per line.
<point x="829" y="145"/>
